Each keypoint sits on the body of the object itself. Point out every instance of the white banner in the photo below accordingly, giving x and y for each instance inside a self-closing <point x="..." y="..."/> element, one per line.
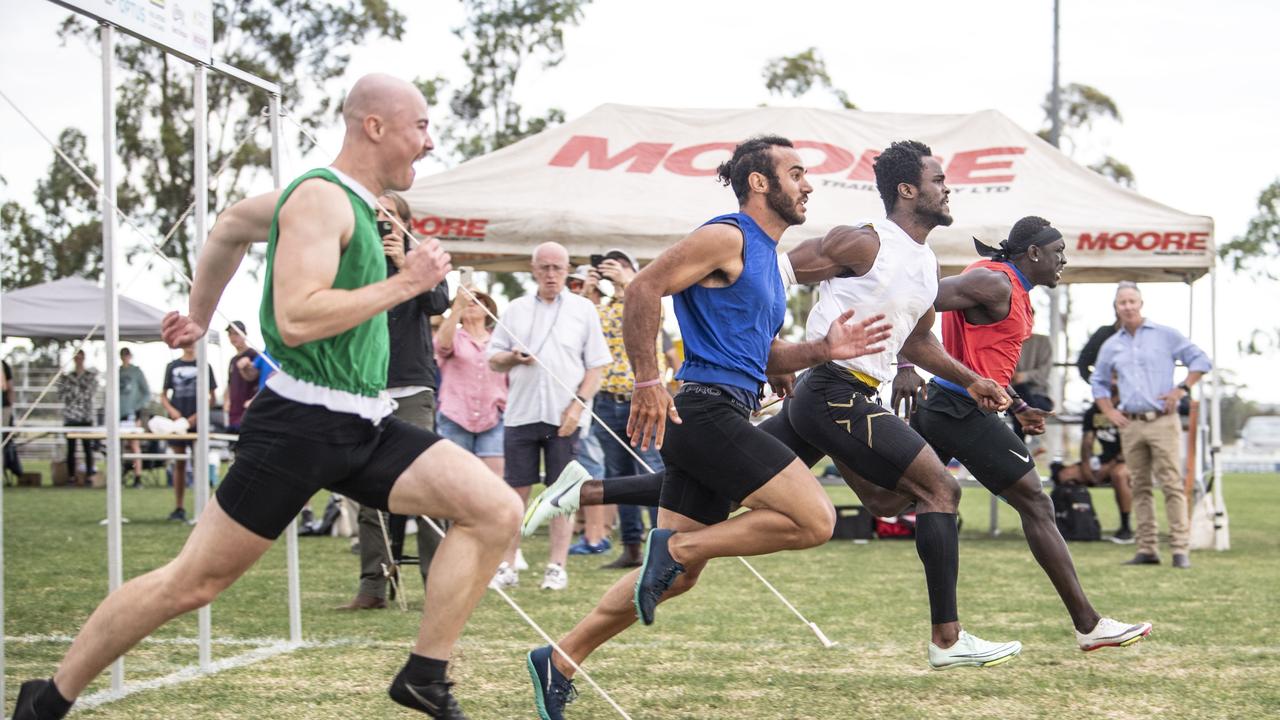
<point x="184" y="27"/>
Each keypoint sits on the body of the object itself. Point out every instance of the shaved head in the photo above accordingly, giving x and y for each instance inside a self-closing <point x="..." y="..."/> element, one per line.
<point x="386" y="120"/>
<point x="381" y="95"/>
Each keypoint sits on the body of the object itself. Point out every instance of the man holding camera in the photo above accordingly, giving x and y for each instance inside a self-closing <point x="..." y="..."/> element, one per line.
<point x="412" y="381"/>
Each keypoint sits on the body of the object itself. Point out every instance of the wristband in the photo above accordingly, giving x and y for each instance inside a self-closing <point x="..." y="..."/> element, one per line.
<point x="581" y="399"/>
<point x="1022" y="405"/>
<point x="905" y="366"/>
<point x="648" y="383"/>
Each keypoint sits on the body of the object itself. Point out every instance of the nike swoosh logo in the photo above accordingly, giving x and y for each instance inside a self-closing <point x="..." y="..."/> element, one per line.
<point x="1023" y="458"/>
<point x="427" y="704"/>
<point x="555" y="501"/>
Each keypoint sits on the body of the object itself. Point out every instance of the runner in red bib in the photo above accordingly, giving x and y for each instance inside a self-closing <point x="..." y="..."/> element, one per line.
<point x="987" y="315"/>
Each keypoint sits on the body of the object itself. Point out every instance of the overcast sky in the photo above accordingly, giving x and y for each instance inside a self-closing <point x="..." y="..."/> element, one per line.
<point x="1195" y="83"/>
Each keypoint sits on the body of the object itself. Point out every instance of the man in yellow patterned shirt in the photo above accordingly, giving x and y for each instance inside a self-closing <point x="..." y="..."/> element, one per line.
<point x="613" y="405"/>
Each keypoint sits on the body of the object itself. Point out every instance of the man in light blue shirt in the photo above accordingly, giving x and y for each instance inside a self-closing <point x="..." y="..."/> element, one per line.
<point x="1142" y="356"/>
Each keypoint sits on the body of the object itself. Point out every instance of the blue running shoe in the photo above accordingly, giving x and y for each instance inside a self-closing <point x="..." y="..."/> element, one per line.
<point x="656" y="575"/>
<point x="582" y="547"/>
<point x="551" y="689"/>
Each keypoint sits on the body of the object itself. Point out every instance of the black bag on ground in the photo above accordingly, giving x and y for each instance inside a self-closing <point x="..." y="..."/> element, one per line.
<point x="853" y="522"/>
<point x="1073" y="510"/>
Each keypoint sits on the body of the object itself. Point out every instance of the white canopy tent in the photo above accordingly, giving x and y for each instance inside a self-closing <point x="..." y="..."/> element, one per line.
<point x="640" y="178"/>
<point x="67" y="309"/>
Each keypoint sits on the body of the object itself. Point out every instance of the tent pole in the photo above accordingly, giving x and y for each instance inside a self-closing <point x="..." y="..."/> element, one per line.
<point x="200" y="456"/>
<point x="1221" y="529"/>
<point x="110" y="253"/>
<point x="1056" y="375"/>
<point x="291" y="533"/>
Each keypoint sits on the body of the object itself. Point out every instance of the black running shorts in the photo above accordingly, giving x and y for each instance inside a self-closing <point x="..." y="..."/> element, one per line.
<point x="842" y="417"/>
<point x="289" y="451"/>
<point x="715" y="457"/>
<point x="955" y="427"/>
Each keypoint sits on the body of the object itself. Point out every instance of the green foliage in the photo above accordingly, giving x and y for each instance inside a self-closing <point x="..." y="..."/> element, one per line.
<point x="1114" y="170"/>
<point x="795" y="75"/>
<point x="299" y="44"/>
<point x="62" y="236"/>
<point x="1255" y="252"/>
<point x="500" y="38"/>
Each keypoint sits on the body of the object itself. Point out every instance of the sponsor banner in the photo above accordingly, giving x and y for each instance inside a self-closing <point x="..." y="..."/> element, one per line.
<point x="184" y="27"/>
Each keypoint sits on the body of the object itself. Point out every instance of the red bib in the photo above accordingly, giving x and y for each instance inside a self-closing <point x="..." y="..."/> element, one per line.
<point x="991" y="350"/>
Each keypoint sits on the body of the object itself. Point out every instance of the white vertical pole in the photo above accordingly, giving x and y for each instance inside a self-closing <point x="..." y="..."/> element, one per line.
<point x="201" y="455"/>
<point x="110" y="253"/>
<point x="1056" y="378"/>
<point x="1221" y="530"/>
<point x="291" y="533"/>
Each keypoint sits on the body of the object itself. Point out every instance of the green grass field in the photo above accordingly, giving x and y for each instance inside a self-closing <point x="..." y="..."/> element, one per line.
<point x="727" y="650"/>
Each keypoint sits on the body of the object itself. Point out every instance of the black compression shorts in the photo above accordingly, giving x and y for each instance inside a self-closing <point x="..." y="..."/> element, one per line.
<point x="715" y="457"/>
<point x="842" y="417"/>
<point x="289" y="451"/>
<point x="983" y="442"/>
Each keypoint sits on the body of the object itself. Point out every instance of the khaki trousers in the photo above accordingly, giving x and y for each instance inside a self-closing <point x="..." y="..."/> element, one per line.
<point x="1153" y="451"/>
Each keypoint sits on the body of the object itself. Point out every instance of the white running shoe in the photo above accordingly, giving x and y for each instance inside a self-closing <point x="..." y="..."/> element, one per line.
<point x="505" y="578"/>
<point x="521" y="565"/>
<point x="560" y="498"/>
<point x="972" y="651"/>
<point x="1112" y="633"/>
<point x="555" y="578"/>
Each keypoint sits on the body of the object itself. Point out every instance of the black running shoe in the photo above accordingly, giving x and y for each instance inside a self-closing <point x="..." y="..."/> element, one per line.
<point x="25" y="707"/>
<point x="551" y="689"/>
<point x="434" y="699"/>
<point x="656" y="575"/>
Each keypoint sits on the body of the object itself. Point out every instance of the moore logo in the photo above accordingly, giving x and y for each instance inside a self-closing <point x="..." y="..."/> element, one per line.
<point x="988" y="166"/>
<point x="1148" y="241"/>
<point x="432" y="226"/>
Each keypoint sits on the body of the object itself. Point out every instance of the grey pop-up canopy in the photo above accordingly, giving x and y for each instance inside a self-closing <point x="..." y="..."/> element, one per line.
<point x="67" y="309"/>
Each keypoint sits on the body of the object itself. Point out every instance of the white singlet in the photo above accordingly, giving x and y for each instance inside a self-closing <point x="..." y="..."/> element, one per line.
<point x="902" y="284"/>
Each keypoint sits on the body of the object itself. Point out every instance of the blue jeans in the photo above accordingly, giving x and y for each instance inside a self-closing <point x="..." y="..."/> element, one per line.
<point x="618" y="462"/>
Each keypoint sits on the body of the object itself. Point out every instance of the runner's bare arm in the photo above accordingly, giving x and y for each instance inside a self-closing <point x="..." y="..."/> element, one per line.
<point x="314" y="224"/>
<point x="708" y="249"/>
<point x="923" y="349"/>
<point x="844" y="340"/>
<point x="701" y="253"/>
<point x="844" y="251"/>
<point x="978" y="288"/>
<point x="238" y="227"/>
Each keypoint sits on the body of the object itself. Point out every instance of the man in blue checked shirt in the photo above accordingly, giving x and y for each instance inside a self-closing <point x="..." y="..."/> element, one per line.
<point x="1143" y="354"/>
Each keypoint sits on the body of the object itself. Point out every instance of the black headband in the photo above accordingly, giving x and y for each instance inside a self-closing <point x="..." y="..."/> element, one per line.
<point x="1008" y="250"/>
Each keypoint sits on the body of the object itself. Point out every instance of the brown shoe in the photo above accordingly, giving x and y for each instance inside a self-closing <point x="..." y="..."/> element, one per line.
<point x="364" y="602"/>
<point x="630" y="557"/>
<point x="1144" y="559"/>
<point x="1181" y="561"/>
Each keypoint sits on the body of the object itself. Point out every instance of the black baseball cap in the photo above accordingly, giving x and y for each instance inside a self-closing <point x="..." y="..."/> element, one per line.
<point x="239" y="325"/>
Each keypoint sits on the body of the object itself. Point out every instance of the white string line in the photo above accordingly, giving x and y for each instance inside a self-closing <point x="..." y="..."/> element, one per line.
<point x="573" y="392"/>
<point x="577" y="669"/>
<point x="115" y="210"/>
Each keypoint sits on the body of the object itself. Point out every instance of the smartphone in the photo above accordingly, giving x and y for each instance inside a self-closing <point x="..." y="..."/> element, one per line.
<point x="596" y="260"/>
<point x="384" y="228"/>
<point x="464" y="275"/>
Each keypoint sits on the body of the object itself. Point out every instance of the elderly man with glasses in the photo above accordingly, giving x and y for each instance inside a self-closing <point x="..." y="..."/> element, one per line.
<point x="548" y="395"/>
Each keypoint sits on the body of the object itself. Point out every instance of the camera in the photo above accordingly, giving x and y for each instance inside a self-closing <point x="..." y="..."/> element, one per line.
<point x="596" y="260"/>
<point x="384" y="228"/>
<point x="465" y="275"/>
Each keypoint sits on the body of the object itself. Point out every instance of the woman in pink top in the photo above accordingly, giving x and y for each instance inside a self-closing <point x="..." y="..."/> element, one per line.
<point x="472" y="397"/>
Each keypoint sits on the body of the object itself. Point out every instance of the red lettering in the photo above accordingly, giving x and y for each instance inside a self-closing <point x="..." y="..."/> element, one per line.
<point x="454" y="227"/>
<point x="865" y="169"/>
<point x="834" y="158"/>
<point x="427" y="226"/>
<point x="965" y="164"/>
<point x="1116" y="243"/>
<point x="1147" y="241"/>
<point x="1198" y="241"/>
<point x="643" y="156"/>
<point x="1089" y="242"/>
<point x="1175" y="240"/>
<point x="475" y="228"/>
<point x="681" y="161"/>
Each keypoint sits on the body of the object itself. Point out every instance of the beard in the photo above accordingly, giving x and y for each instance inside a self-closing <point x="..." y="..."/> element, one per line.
<point x="935" y="216"/>
<point x="784" y="205"/>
